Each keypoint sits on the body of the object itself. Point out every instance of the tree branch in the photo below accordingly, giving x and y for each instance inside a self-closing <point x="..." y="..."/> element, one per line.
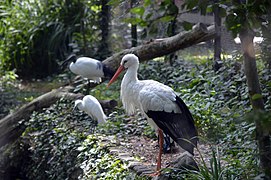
<point x="161" y="47"/>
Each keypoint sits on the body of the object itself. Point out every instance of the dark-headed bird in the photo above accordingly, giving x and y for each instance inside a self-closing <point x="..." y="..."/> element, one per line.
<point x="87" y="68"/>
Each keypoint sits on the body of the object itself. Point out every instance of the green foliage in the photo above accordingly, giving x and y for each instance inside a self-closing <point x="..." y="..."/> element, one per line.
<point x="61" y="148"/>
<point x="53" y="142"/>
<point x="8" y="80"/>
<point x="219" y="103"/>
<point x="36" y="35"/>
<point x="8" y="84"/>
<point x="212" y="171"/>
<point x="150" y="15"/>
<point x="103" y="92"/>
<point x="239" y="14"/>
<point x="122" y="126"/>
<point x="97" y="163"/>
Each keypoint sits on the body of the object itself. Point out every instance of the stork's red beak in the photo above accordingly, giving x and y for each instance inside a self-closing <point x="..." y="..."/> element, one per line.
<point x="114" y="78"/>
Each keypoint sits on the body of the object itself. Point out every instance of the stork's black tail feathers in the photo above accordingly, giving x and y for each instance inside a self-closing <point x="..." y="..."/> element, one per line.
<point x="179" y="126"/>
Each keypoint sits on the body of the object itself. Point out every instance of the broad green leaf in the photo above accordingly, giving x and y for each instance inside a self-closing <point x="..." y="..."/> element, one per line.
<point x="133" y="21"/>
<point x="167" y="18"/>
<point x="256" y="97"/>
<point x="138" y="10"/>
<point x="114" y="2"/>
<point x="209" y="9"/>
<point x="147" y="3"/>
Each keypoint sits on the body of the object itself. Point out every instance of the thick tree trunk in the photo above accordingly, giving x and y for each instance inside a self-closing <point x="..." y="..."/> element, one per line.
<point x="103" y="50"/>
<point x="134" y="35"/>
<point x="11" y="127"/>
<point x="263" y="138"/>
<point x="133" y="27"/>
<point x="171" y="31"/>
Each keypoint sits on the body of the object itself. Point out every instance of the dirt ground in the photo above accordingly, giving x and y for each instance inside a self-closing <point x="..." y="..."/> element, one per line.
<point x="146" y="150"/>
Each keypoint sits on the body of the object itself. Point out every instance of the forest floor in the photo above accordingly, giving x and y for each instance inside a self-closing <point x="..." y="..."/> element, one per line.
<point x="144" y="148"/>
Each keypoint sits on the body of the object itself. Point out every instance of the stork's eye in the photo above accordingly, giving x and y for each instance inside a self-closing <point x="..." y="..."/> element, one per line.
<point x="125" y="61"/>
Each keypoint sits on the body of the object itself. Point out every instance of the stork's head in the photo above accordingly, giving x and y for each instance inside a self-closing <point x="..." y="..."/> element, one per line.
<point x="129" y="61"/>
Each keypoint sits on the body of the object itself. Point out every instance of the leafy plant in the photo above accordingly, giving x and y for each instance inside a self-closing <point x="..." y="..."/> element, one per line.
<point x="219" y="103"/>
<point x="8" y="80"/>
<point x="214" y="170"/>
<point x="66" y="144"/>
<point x="37" y="35"/>
<point x="97" y="163"/>
<point x="62" y="145"/>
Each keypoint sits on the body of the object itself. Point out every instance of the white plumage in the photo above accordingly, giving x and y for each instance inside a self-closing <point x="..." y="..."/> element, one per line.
<point x="160" y="104"/>
<point x="165" y="111"/>
<point x="92" y="107"/>
<point x="88" y="68"/>
<point x="145" y="94"/>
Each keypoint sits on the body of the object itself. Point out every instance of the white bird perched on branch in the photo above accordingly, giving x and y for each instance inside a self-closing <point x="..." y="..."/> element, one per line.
<point x="88" y="68"/>
<point x="164" y="110"/>
<point x="92" y="107"/>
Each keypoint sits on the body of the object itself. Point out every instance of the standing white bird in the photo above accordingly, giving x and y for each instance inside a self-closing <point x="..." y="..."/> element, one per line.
<point x="164" y="110"/>
<point x="88" y="68"/>
<point x="92" y="107"/>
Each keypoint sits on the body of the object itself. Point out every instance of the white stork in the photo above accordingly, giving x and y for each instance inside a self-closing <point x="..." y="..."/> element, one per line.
<point x="87" y="68"/>
<point x="92" y="107"/>
<point x="165" y="111"/>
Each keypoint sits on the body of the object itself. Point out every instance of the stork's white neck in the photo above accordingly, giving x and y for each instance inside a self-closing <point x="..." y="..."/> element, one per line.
<point x="131" y="74"/>
<point x="129" y="90"/>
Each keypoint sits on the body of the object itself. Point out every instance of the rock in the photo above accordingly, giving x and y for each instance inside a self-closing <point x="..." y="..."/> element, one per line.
<point x="114" y="150"/>
<point x="126" y="157"/>
<point x="140" y="169"/>
<point x="185" y="161"/>
<point x="133" y="164"/>
<point x="161" y="177"/>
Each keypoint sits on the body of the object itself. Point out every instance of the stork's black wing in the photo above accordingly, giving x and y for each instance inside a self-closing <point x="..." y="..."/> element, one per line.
<point x="179" y="126"/>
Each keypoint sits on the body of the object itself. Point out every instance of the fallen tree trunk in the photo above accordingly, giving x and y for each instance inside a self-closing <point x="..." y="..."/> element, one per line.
<point x="161" y="47"/>
<point x="11" y="127"/>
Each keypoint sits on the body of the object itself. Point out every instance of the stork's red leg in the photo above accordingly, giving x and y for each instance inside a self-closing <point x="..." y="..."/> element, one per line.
<point x="161" y="143"/>
<point x="159" y="158"/>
